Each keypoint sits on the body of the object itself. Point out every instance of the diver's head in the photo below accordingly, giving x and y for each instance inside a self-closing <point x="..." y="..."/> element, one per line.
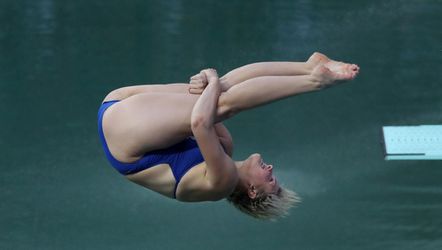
<point x="258" y="192"/>
<point x="258" y="177"/>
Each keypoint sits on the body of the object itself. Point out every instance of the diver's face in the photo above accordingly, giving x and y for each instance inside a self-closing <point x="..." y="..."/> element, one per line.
<point x="261" y="175"/>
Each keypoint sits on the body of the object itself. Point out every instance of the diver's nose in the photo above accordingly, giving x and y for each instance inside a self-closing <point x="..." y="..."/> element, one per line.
<point x="270" y="167"/>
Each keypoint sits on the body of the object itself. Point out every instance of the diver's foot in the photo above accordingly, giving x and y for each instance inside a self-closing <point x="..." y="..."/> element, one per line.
<point x="342" y="68"/>
<point x="325" y="77"/>
<point x="317" y="59"/>
<point x="334" y="66"/>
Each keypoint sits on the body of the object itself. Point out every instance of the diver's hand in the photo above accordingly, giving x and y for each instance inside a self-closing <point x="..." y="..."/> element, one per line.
<point x="199" y="81"/>
<point x="211" y="75"/>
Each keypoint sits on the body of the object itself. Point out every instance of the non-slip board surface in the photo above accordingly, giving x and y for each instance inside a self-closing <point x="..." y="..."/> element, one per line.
<point x="422" y="142"/>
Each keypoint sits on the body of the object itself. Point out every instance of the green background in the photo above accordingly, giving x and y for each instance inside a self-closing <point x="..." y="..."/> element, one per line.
<point x="58" y="59"/>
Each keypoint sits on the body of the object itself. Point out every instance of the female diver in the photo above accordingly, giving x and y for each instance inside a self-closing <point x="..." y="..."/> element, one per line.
<point x="170" y="139"/>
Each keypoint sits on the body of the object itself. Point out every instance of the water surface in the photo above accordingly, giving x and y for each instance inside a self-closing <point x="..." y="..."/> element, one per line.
<point x="58" y="59"/>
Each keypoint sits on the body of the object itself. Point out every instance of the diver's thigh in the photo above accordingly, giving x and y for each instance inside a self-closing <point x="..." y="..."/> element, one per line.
<point x="125" y="92"/>
<point x="148" y="121"/>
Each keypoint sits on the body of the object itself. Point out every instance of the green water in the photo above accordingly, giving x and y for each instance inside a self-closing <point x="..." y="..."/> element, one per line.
<point x="59" y="58"/>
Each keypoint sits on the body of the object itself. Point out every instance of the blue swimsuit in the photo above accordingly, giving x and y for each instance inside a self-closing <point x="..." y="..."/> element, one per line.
<point x="181" y="157"/>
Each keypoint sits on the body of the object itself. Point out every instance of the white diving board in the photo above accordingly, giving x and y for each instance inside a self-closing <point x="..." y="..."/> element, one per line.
<point x="422" y="142"/>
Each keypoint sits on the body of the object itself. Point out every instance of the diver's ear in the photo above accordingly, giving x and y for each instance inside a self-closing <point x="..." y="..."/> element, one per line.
<point x="252" y="192"/>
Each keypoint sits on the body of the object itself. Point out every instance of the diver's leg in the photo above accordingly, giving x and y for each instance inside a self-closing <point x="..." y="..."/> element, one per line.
<point x="149" y="121"/>
<point x="253" y="70"/>
<point x="247" y="72"/>
<point x="125" y="92"/>
<point x="154" y="120"/>
<point x="262" y="90"/>
<point x="259" y="69"/>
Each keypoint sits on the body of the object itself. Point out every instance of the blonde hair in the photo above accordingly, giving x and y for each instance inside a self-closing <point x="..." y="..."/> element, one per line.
<point x="266" y="207"/>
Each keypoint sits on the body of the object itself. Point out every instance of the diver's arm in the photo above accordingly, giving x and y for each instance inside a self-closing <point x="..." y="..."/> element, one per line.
<point x="225" y="138"/>
<point x="221" y="172"/>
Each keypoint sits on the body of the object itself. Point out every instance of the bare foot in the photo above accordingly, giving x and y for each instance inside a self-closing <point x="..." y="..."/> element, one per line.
<point x="334" y="66"/>
<point x="327" y="77"/>
<point x="317" y="59"/>
<point x="327" y="71"/>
